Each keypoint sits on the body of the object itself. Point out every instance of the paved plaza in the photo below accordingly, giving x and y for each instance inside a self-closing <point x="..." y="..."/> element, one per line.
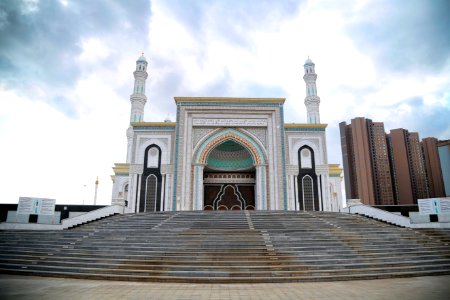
<point x="29" y="287"/>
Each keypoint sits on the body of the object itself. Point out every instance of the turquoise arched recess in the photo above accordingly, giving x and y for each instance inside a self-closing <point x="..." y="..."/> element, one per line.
<point x="245" y="151"/>
<point x="231" y="139"/>
<point x="229" y="156"/>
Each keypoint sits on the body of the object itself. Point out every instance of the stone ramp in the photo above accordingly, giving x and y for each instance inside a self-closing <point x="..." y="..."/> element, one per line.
<point x="228" y="247"/>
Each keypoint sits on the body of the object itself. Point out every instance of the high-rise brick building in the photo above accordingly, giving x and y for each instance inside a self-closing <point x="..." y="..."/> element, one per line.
<point x="366" y="162"/>
<point x="408" y="163"/>
<point x="433" y="167"/>
<point x="386" y="169"/>
<point x="444" y="158"/>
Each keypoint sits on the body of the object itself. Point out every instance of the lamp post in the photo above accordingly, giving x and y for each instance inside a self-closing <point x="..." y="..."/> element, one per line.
<point x="96" y="188"/>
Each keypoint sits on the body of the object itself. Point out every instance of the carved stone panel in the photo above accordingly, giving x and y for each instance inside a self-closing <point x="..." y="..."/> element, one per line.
<point x="136" y="169"/>
<point x="199" y="133"/>
<point x="166" y="169"/>
<point x="230" y="122"/>
<point x="260" y="133"/>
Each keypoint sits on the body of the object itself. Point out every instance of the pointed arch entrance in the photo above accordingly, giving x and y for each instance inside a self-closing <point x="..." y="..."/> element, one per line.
<point x="229" y="172"/>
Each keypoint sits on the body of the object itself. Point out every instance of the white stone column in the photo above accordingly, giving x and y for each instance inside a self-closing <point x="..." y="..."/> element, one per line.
<point x="168" y="202"/>
<point x="296" y="203"/>
<point x="261" y="187"/>
<point x="197" y="201"/>
<point x="327" y="197"/>
<point x="291" y="192"/>
<point x="132" y="191"/>
<point x="133" y="187"/>
<point x="319" y="194"/>
<point x="129" y="144"/>
<point x="163" y="192"/>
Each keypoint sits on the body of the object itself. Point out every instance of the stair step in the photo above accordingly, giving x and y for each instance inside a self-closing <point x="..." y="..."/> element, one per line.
<point x="196" y="246"/>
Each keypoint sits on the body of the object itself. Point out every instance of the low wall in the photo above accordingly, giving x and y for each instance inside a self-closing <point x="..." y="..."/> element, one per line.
<point x="64" y="209"/>
<point x="67" y="223"/>
<point x="393" y="218"/>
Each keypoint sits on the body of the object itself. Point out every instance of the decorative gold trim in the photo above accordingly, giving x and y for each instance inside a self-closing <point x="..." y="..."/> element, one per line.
<point x="121" y="168"/>
<point x="300" y="125"/>
<point x="229" y="99"/>
<point x="334" y="169"/>
<point x="154" y="124"/>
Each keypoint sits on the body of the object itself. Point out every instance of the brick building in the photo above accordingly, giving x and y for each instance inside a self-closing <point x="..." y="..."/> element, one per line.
<point x="389" y="169"/>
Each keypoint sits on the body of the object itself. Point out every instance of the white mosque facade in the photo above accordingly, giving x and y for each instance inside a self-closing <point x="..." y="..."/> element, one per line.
<point x="226" y="154"/>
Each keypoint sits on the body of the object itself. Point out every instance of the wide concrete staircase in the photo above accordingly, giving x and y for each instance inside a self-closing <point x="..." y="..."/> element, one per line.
<point x="228" y="247"/>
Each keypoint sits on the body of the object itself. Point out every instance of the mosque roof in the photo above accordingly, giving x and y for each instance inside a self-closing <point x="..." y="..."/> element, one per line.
<point x="309" y="62"/>
<point x="142" y="58"/>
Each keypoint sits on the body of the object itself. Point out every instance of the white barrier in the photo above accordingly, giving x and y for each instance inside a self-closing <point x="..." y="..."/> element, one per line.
<point x="67" y="223"/>
<point x="389" y="217"/>
<point x="92" y="215"/>
<point x="380" y="214"/>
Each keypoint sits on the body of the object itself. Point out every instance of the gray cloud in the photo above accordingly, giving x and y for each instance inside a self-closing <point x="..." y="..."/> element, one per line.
<point x="235" y="18"/>
<point x="427" y="120"/>
<point x="228" y="21"/>
<point x="405" y="36"/>
<point x="39" y="46"/>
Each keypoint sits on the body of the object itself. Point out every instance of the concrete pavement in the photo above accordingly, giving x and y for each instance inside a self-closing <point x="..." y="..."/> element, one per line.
<point x="30" y="287"/>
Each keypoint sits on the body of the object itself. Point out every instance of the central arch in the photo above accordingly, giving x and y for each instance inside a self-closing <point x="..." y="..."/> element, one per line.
<point x="229" y="178"/>
<point x="234" y="161"/>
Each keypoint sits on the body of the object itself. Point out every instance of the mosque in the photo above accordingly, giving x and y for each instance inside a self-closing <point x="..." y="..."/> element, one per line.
<point x="226" y="154"/>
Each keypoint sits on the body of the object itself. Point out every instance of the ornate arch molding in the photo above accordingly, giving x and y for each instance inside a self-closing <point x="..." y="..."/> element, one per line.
<point x="205" y="147"/>
<point x="300" y="145"/>
<point x="307" y="203"/>
<point x="142" y="150"/>
<point x="257" y="152"/>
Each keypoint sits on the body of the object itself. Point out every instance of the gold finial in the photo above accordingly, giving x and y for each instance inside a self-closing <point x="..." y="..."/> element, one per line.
<point x="96" y="181"/>
<point x="142" y="53"/>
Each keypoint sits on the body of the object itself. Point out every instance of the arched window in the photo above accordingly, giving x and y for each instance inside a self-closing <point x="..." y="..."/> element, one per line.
<point x="125" y="191"/>
<point x="151" y="193"/>
<point x="308" y="193"/>
<point x="305" y="158"/>
<point x="152" y="157"/>
<point x="151" y="180"/>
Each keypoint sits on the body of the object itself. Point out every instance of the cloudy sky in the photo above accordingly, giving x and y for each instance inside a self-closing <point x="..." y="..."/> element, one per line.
<point x="66" y="74"/>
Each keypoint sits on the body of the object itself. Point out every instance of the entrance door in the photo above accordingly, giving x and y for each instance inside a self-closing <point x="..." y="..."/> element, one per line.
<point x="229" y="178"/>
<point x="228" y="196"/>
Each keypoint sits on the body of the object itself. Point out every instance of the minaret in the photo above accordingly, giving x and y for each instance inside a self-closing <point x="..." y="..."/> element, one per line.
<point x="137" y="99"/>
<point x="312" y="101"/>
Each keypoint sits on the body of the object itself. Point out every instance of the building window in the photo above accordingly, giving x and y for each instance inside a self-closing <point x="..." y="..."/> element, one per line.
<point x="305" y="159"/>
<point x="125" y="191"/>
<point x="308" y="193"/>
<point x="151" y="193"/>
<point x="152" y="158"/>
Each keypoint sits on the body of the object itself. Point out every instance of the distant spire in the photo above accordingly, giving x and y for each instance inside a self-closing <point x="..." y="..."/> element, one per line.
<point x="138" y="98"/>
<point x="95" y="195"/>
<point x="312" y="101"/>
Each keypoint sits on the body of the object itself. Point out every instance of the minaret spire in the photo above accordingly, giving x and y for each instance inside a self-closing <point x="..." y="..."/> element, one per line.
<point x="138" y="98"/>
<point x="312" y="101"/>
